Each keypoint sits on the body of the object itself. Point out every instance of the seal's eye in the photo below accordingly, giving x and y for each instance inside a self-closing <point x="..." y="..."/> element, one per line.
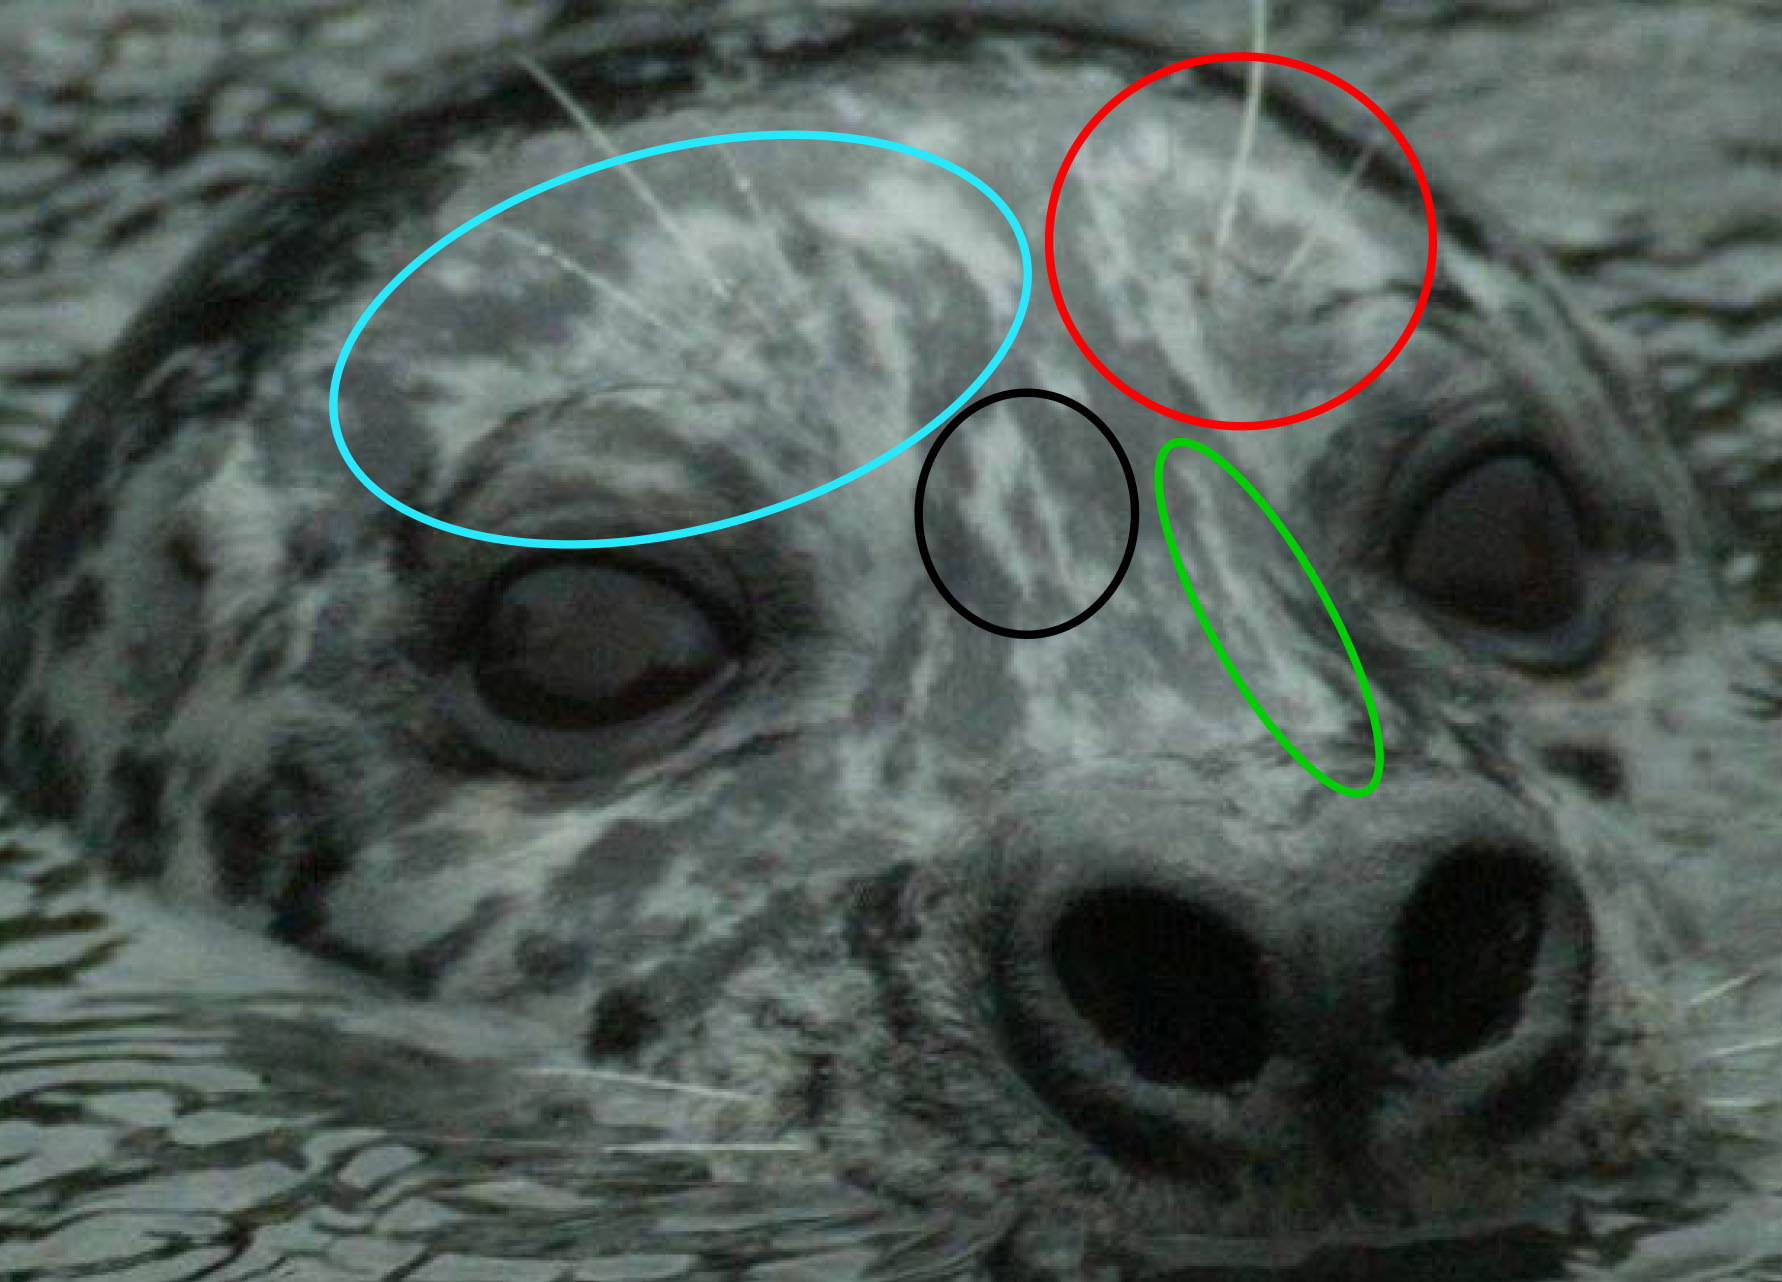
<point x="1500" y="546"/>
<point x="578" y="644"/>
<point x="579" y="665"/>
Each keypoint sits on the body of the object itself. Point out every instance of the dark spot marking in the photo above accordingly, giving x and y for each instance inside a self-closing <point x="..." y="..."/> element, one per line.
<point x="1599" y="769"/>
<point x="265" y="655"/>
<point x="285" y="817"/>
<point x="882" y="925"/>
<point x="882" y="922"/>
<point x="18" y="652"/>
<point x="240" y="831"/>
<point x="615" y="870"/>
<point x="80" y="614"/>
<point x="47" y="549"/>
<point x="549" y="962"/>
<point x="298" y="914"/>
<point x="816" y="1093"/>
<point x="315" y="544"/>
<point x="139" y="782"/>
<point x="185" y="553"/>
<point x="44" y="766"/>
<point x="623" y="1024"/>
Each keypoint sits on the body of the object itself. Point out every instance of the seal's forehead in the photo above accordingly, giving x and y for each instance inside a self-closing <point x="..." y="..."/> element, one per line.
<point x="835" y="297"/>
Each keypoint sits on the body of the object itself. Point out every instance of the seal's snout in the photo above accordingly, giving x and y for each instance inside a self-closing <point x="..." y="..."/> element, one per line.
<point x="1345" y="1003"/>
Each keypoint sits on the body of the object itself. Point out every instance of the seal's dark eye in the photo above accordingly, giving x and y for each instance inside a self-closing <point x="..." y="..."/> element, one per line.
<point x="572" y="645"/>
<point x="581" y="665"/>
<point x="1499" y="546"/>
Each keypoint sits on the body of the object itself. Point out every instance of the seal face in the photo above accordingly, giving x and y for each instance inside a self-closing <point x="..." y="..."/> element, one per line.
<point x="1047" y="931"/>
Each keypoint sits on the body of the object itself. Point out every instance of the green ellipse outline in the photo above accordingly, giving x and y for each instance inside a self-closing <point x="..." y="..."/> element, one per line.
<point x="1237" y="678"/>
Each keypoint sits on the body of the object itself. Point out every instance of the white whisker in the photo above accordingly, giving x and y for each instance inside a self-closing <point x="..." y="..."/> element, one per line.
<point x="1739" y="1104"/>
<point x="758" y="213"/>
<point x="1240" y="161"/>
<point x="1762" y="1046"/>
<point x="584" y="273"/>
<point x="646" y="1083"/>
<point x="641" y="1148"/>
<point x="661" y="1147"/>
<point x="639" y="187"/>
<point x="1314" y="227"/>
<point x="1725" y="989"/>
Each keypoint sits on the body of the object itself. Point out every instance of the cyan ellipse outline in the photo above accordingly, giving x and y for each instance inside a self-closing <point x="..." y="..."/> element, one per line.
<point x="686" y="144"/>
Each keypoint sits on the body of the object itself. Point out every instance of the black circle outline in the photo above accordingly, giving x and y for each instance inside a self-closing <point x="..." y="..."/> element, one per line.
<point x="1045" y="394"/>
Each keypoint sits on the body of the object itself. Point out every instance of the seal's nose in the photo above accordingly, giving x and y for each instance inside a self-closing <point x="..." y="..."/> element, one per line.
<point x="1354" y="1006"/>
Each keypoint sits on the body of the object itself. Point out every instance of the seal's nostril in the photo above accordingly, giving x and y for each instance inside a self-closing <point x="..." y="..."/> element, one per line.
<point x="1172" y="987"/>
<point x="1403" y="980"/>
<point x="1465" y="951"/>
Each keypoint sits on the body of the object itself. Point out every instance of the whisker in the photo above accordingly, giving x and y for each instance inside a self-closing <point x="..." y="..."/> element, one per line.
<point x="1761" y="1046"/>
<point x="758" y="213"/>
<point x="1315" y="227"/>
<point x="642" y="1148"/>
<point x="629" y="175"/>
<point x="661" y="1147"/>
<point x="1738" y="1104"/>
<point x="594" y="279"/>
<point x="646" y="1083"/>
<point x="1726" y="988"/>
<point x="1240" y="162"/>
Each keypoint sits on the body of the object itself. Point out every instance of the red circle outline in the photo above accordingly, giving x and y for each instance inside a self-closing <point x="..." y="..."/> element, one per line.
<point x="1240" y="425"/>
